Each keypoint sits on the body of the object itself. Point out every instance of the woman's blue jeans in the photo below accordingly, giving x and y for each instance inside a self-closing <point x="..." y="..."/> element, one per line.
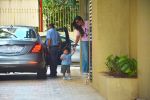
<point x="85" y="56"/>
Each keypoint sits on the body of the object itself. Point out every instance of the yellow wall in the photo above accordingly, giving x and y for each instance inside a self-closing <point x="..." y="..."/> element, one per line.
<point x="122" y="27"/>
<point x="110" y="32"/>
<point x="143" y="30"/>
<point x="84" y="9"/>
<point x="133" y="29"/>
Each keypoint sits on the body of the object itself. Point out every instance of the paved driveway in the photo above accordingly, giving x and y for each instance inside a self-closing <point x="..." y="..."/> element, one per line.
<point x="27" y="87"/>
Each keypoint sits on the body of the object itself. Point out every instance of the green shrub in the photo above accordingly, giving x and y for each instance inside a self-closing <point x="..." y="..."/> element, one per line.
<point x="122" y="66"/>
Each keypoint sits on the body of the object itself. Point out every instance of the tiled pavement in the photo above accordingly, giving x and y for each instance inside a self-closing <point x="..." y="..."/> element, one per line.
<point x="27" y="87"/>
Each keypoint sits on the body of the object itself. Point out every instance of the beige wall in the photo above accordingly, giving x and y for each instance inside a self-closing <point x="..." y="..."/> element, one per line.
<point x="84" y="9"/>
<point x="110" y="32"/>
<point x="19" y="12"/>
<point x="122" y="27"/>
<point x="133" y="29"/>
<point x="143" y="30"/>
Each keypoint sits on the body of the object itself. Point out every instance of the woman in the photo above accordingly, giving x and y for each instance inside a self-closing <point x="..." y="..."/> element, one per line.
<point x="81" y="30"/>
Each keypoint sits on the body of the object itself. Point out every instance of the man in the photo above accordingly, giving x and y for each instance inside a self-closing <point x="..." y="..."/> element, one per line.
<point x="53" y="42"/>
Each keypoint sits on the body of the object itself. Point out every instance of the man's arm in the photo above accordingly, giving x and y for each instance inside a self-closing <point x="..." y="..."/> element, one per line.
<point x="48" y="36"/>
<point x="49" y="42"/>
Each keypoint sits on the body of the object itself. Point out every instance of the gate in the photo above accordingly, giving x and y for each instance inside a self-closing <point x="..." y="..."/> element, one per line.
<point x="62" y="17"/>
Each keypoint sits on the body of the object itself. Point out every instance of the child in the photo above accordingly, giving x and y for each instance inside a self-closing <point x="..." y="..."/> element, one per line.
<point x="66" y="62"/>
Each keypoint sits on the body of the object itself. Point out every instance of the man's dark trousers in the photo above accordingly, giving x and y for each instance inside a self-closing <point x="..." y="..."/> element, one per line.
<point x="53" y="60"/>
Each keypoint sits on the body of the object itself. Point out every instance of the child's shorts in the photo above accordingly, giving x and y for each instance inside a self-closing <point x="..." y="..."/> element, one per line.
<point x="65" y="68"/>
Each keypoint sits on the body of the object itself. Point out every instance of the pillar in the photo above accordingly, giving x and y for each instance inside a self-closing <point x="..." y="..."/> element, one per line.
<point x="143" y="30"/>
<point x="110" y="32"/>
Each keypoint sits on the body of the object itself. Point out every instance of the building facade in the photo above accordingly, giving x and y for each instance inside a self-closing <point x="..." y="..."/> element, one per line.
<point x="19" y="12"/>
<point x="121" y="27"/>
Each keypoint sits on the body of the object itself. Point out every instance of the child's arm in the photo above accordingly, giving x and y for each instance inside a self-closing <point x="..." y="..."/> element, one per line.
<point x="62" y="57"/>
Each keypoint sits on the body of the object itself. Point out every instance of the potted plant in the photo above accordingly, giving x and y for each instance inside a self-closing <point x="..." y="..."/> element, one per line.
<point x="120" y="82"/>
<point x="121" y="66"/>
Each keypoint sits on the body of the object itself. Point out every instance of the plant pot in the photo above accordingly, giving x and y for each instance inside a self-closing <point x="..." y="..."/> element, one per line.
<point x="114" y="88"/>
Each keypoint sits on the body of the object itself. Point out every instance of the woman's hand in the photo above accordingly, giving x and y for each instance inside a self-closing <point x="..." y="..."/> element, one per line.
<point x="74" y="47"/>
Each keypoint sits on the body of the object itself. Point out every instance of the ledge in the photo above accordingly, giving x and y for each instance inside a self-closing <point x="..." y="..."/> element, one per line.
<point x="117" y="88"/>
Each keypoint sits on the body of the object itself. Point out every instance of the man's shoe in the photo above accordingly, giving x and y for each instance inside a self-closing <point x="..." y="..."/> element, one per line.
<point x="51" y="75"/>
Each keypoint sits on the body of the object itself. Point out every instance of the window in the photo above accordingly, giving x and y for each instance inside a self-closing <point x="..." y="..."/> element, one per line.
<point x="18" y="32"/>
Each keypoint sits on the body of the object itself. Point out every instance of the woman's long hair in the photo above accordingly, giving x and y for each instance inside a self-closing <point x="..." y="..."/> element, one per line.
<point x="76" y="26"/>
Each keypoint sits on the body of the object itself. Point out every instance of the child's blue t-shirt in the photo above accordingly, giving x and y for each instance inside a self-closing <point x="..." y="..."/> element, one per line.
<point x="66" y="59"/>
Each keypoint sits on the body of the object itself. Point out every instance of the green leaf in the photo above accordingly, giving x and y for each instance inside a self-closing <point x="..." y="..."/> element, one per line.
<point x="124" y="68"/>
<point x="122" y="64"/>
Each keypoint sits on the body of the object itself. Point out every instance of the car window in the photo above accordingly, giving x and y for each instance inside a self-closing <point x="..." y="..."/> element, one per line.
<point x="43" y="38"/>
<point x="19" y="32"/>
<point x="5" y="34"/>
<point x="63" y="39"/>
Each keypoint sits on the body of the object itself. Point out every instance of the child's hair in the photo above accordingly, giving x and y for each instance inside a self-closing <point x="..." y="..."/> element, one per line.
<point x="66" y="48"/>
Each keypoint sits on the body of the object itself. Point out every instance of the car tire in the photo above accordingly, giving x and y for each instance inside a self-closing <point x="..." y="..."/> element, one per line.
<point x="41" y="74"/>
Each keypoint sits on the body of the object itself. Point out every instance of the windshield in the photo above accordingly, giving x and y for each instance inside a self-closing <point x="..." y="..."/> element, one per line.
<point x="19" y="33"/>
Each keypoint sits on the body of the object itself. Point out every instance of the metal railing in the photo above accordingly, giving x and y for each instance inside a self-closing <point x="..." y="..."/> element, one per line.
<point x="62" y="17"/>
<point x="19" y="16"/>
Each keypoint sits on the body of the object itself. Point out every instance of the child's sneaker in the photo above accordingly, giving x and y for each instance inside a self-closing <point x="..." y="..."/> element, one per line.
<point x="69" y="78"/>
<point x="65" y="78"/>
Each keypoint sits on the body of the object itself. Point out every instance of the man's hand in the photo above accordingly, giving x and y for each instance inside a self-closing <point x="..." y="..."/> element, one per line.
<point x="48" y="50"/>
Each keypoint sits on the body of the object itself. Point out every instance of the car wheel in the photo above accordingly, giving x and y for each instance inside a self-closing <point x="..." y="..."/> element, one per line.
<point x="41" y="74"/>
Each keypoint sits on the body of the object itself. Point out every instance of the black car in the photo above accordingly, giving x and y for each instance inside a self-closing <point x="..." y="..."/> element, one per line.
<point x="21" y="50"/>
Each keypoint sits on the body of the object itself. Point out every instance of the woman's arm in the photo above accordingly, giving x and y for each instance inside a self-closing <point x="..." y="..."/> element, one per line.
<point x="72" y="52"/>
<point x="77" y="39"/>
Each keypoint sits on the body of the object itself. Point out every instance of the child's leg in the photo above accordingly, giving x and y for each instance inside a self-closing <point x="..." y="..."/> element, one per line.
<point x="64" y="69"/>
<point x="69" y="75"/>
<point x="63" y="74"/>
<point x="68" y="69"/>
<point x="68" y="72"/>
